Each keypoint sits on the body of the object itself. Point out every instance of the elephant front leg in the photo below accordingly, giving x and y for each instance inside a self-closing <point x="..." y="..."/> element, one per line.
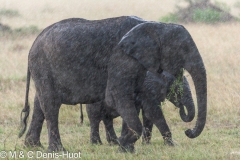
<point x="124" y="129"/>
<point x="154" y="114"/>
<point x="147" y="129"/>
<point x="94" y="116"/>
<point x="134" y="127"/>
<point x="33" y="135"/>
<point x="124" y="124"/>
<point x="94" y="135"/>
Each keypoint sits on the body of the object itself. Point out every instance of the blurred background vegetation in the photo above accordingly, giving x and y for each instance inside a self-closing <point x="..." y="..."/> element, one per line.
<point x="202" y="11"/>
<point x="186" y="11"/>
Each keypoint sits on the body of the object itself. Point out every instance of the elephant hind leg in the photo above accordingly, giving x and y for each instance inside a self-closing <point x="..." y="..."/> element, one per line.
<point x="51" y="112"/>
<point x="33" y="135"/>
<point x="50" y="104"/>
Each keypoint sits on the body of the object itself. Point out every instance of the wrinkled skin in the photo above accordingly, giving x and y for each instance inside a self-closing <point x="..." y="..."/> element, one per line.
<point x="154" y="88"/>
<point x="75" y="48"/>
<point x="152" y="46"/>
<point x="75" y="61"/>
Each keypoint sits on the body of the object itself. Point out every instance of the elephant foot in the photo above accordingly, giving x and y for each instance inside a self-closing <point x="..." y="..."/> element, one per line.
<point x="56" y="148"/>
<point x="32" y="143"/>
<point x="146" y="136"/>
<point x="169" y="142"/>
<point x="168" y="139"/>
<point x="128" y="148"/>
<point x="146" y="141"/>
<point x="123" y="147"/>
<point x="96" y="142"/>
<point x="113" y="142"/>
<point x="95" y="139"/>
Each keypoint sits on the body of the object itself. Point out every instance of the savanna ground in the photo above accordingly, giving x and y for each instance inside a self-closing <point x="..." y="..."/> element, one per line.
<point x="218" y="44"/>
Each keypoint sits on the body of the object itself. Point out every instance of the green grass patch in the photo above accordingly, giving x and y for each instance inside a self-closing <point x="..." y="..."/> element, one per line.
<point x="169" y="18"/>
<point x="9" y="13"/>
<point x="20" y="32"/>
<point x="207" y="16"/>
<point x="32" y="29"/>
<point x="1" y="131"/>
<point x="201" y="12"/>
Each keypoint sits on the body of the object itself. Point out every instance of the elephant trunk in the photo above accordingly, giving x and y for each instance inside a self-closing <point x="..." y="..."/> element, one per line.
<point x="187" y="101"/>
<point x="197" y="71"/>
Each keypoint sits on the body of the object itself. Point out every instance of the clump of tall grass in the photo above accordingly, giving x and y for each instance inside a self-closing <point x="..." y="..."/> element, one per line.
<point x="9" y="12"/>
<point x="201" y="11"/>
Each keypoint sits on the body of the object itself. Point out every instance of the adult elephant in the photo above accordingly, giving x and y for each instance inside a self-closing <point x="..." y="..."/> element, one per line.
<point x="155" y="89"/>
<point x="74" y="61"/>
<point x="68" y="63"/>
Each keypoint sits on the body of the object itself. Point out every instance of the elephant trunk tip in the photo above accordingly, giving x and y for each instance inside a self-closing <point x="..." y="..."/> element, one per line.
<point x="194" y="132"/>
<point x="187" y="117"/>
<point x="190" y="133"/>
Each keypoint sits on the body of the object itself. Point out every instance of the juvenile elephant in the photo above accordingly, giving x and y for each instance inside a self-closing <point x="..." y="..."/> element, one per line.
<point x="75" y="61"/>
<point x="154" y="89"/>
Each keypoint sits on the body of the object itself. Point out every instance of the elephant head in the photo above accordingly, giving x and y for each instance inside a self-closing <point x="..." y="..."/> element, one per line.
<point x="171" y="48"/>
<point x="161" y="86"/>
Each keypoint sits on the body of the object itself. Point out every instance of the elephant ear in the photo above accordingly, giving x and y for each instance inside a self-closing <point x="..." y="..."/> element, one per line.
<point x="142" y="44"/>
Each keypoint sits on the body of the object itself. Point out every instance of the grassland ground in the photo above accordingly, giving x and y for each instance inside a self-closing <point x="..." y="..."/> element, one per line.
<point x="218" y="45"/>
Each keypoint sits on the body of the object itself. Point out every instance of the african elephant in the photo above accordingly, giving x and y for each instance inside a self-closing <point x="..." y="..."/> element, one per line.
<point x="152" y="46"/>
<point x="154" y="88"/>
<point x="80" y="61"/>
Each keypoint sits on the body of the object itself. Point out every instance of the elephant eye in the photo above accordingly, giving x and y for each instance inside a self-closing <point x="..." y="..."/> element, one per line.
<point x="160" y="70"/>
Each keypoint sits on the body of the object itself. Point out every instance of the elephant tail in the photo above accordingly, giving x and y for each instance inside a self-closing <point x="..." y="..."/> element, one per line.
<point x="81" y="116"/>
<point x="26" y="109"/>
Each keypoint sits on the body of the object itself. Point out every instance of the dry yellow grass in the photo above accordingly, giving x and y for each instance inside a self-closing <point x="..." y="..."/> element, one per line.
<point x="218" y="45"/>
<point x="46" y="12"/>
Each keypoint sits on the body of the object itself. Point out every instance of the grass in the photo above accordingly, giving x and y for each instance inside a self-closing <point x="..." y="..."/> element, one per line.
<point x="218" y="45"/>
<point x="207" y="16"/>
<point x="9" y="13"/>
<point x="26" y="30"/>
<point x="197" y="12"/>
<point x="170" y="18"/>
